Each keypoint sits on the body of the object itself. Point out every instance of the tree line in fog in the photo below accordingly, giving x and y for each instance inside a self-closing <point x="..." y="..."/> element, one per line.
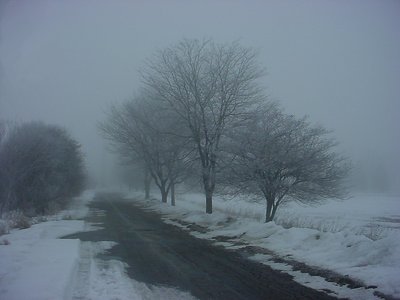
<point x="202" y="112"/>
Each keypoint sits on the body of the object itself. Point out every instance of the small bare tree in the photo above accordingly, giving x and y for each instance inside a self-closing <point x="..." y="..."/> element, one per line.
<point x="3" y="130"/>
<point x="207" y="85"/>
<point x="138" y="131"/>
<point x="282" y="157"/>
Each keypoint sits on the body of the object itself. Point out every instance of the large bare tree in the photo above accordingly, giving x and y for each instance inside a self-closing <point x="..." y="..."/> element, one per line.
<point x="207" y="85"/>
<point x="281" y="158"/>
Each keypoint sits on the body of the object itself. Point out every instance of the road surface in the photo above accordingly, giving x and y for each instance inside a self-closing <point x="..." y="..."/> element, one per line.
<point x="162" y="254"/>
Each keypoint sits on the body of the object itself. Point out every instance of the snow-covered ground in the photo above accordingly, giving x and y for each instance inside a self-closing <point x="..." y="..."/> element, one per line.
<point x="358" y="237"/>
<point x="36" y="265"/>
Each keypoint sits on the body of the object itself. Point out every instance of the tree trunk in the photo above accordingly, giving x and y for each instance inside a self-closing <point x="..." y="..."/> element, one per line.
<point x="209" y="186"/>
<point x="208" y="189"/>
<point x="274" y="207"/>
<point x="209" y="207"/>
<point x="164" y="196"/>
<point x="164" y="192"/>
<point x="147" y="191"/>
<point x="173" y="194"/>
<point x="147" y="183"/>
<point x="268" y="212"/>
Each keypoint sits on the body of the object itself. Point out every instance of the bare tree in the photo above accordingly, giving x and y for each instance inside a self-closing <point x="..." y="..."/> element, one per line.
<point x="207" y="85"/>
<point x="3" y="129"/>
<point x="281" y="158"/>
<point x="139" y="131"/>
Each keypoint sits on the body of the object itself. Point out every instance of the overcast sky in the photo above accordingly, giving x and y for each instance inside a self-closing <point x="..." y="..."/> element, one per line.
<point x="65" y="61"/>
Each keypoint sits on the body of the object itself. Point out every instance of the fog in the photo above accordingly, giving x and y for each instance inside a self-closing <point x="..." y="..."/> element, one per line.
<point x="65" y="62"/>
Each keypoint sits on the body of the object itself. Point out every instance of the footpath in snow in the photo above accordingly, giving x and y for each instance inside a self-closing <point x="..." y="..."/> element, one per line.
<point x="358" y="238"/>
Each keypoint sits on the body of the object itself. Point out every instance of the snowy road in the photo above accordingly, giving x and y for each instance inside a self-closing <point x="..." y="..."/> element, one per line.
<point x="159" y="254"/>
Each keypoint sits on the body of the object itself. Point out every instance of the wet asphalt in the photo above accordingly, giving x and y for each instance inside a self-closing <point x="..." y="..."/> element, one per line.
<point x="161" y="254"/>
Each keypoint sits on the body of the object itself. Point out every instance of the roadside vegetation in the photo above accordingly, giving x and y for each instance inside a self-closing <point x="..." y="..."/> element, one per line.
<point x="41" y="169"/>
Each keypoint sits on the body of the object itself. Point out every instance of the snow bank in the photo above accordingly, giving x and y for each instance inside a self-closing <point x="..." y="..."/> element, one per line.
<point x="373" y="262"/>
<point x="35" y="263"/>
<point x="359" y="237"/>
